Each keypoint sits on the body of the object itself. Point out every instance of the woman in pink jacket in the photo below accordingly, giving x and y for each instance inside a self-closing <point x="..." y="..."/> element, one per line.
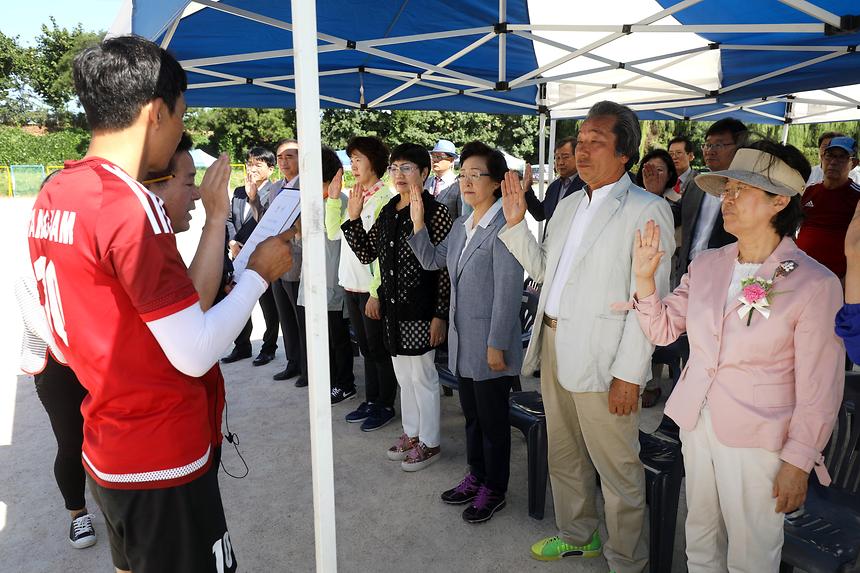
<point x="758" y="398"/>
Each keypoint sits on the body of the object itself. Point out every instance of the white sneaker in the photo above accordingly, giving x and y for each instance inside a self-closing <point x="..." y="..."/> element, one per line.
<point x="81" y="532"/>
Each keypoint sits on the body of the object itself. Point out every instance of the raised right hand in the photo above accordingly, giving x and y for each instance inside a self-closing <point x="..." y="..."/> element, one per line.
<point x="250" y="187"/>
<point x="213" y="190"/>
<point x="333" y="191"/>
<point x="272" y="258"/>
<point x="356" y="202"/>
<point x="646" y="251"/>
<point x="513" y="199"/>
<point x="416" y="208"/>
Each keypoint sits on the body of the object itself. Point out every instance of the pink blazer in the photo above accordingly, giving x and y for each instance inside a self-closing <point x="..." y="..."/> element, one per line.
<point x="776" y="384"/>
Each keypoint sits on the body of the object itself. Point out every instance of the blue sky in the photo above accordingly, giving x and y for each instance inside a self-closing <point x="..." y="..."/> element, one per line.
<point x="24" y="19"/>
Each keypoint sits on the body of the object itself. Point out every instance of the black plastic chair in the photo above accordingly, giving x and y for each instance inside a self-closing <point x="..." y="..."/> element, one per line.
<point x="527" y="415"/>
<point x="660" y="453"/>
<point x="528" y="310"/>
<point x="824" y="536"/>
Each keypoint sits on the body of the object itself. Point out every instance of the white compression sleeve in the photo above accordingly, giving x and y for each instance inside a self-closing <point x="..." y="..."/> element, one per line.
<point x="193" y="340"/>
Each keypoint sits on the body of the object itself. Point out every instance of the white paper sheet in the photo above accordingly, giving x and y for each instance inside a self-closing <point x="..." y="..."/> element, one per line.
<point x="279" y="217"/>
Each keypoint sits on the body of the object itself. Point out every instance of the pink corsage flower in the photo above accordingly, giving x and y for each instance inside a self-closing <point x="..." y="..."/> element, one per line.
<point x="757" y="293"/>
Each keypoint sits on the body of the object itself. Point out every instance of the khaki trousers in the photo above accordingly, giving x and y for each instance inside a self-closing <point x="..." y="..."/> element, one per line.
<point x="583" y="437"/>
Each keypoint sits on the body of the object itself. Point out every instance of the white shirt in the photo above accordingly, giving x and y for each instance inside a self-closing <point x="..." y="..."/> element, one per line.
<point x="485" y="220"/>
<point x="578" y="227"/>
<point x="685" y="176"/>
<point x="817" y="175"/>
<point x="705" y="225"/>
<point x="448" y="178"/>
<point x="742" y="271"/>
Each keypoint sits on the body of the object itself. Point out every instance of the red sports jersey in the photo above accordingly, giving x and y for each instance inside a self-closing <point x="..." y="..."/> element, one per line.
<point x="827" y="214"/>
<point x="106" y="262"/>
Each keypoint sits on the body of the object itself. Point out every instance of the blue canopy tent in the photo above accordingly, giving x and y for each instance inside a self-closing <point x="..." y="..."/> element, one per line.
<point x="517" y="57"/>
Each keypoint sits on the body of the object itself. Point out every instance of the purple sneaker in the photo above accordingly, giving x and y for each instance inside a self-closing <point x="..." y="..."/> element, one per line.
<point x="486" y="503"/>
<point x="464" y="492"/>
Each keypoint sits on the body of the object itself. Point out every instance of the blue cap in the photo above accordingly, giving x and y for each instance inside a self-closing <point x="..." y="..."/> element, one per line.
<point x="846" y="143"/>
<point x="445" y="146"/>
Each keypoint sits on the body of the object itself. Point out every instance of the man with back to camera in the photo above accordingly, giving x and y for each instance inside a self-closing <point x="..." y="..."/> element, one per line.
<point x="125" y="314"/>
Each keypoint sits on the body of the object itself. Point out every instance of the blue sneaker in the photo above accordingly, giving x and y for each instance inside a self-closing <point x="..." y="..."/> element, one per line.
<point x="361" y="413"/>
<point x="379" y="416"/>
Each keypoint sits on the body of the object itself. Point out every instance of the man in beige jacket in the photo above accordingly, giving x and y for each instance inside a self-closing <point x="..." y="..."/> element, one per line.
<point x="594" y="360"/>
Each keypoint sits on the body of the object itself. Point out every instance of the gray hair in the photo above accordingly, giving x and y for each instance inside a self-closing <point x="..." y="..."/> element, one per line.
<point x="627" y="132"/>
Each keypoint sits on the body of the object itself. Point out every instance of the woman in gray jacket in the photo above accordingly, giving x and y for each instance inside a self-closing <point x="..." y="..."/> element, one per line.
<point x="484" y="333"/>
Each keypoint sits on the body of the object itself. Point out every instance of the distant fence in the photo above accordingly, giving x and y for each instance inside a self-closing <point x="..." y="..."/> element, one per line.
<point x="25" y="180"/>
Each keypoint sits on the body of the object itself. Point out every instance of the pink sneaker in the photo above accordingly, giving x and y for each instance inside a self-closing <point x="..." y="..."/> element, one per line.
<point x="398" y="451"/>
<point x="420" y="457"/>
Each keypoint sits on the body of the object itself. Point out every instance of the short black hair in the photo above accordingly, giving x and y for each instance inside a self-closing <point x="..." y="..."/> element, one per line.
<point x="667" y="159"/>
<point x="562" y="142"/>
<point x="828" y="135"/>
<point x="262" y="154"/>
<point x="185" y="144"/>
<point x="374" y="149"/>
<point x="412" y="152"/>
<point x="733" y="127"/>
<point x="330" y="164"/>
<point x="497" y="166"/>
<point x="116" y="78"/>
<point x="628" y="132"/>
<point x="688" y="145"/>
<point x="786" y="222"/>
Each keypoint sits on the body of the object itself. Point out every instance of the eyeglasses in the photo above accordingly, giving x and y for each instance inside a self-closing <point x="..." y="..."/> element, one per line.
<point x="440" y="156"/>
<point x="732" y="194"/>
<point x="718" y="147"/>
<point x="405" y="169"/>
<point x="256" y="166"/>
<point x="682" y="153"/>
<point x="158" y="179"/>
<point x="473" y="177"/>
<point x="836" y="157"/>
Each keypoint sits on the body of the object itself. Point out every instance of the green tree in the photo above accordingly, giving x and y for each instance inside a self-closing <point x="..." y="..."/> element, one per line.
<point x="235" y="130"/>
<point x="49" y="64"/>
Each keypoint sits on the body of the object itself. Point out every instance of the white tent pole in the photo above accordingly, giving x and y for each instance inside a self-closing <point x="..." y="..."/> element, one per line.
<point x="541" y="158"/>
<point x="816" y="12"/>
<point x="313" y="271"/>
<point x="550" y="156"/>
<point x="785" y="128"/>
<point x="787" y="125"/>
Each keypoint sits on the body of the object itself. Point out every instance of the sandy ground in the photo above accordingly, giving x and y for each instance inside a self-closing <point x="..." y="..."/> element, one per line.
<point x="387" y="520"/>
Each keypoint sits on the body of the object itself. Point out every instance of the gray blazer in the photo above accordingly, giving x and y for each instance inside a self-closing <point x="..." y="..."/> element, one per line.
<point x="486" y="294"/>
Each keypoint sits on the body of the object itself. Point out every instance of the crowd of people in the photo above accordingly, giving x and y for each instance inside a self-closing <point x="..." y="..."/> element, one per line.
<point x="126" y="350"/>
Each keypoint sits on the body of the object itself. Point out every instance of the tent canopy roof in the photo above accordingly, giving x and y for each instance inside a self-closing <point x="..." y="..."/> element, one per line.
<point x="473" y="55"/>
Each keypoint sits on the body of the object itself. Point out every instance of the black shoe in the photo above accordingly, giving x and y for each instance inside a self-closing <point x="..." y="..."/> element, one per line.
<point x="81" y="532"/>
<point x="485" y="504"/>
<point x="361" y="413"/>
<point x="235" y="356"/>
<point x="379" y="416"/>
<point x="263" y="358"/>
<point x="338" y="395"/>
<point x="301" y="382"/>
<point x="463" y="492"/>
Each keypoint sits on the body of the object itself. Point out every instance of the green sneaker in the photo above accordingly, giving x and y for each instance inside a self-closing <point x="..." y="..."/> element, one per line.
<point x="554" y="548"/>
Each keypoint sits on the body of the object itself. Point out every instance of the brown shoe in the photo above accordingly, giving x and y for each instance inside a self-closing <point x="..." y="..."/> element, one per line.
<point x="403" y="446"/>
<point x="420" y="457"/>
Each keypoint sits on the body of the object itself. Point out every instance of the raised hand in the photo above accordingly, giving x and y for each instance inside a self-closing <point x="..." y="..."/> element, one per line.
<point x="333" y="191"/>
<point x="213" y="190"/>
<point x="416" y="208"/>
<point x="250" y="187"/>
<point x="646" y="258"/>
<point x="356" y="203"/>
<point x="646" y="251"/>
<point x="513" y="198"/>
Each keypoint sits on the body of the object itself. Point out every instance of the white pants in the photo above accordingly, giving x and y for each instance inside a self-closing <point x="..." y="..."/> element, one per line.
<point x="419" y="396"/>
<point x="731" y="522"/>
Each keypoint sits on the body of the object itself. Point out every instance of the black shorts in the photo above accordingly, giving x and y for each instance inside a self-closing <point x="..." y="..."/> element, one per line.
<point x="170" y="530"/>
